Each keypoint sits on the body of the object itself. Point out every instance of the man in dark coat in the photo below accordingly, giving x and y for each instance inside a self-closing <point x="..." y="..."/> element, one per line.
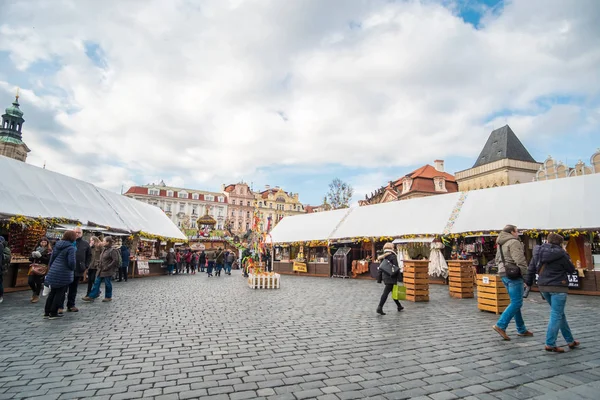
<point x="125" y="254"/>
<point x="83" y="258"/>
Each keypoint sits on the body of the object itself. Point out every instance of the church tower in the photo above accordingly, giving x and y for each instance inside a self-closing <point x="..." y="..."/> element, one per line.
<point x="11" y="143"/>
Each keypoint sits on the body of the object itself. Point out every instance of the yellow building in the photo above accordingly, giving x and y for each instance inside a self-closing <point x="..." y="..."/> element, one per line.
<point x="503" y="161"/>
<point x="273" y="204"/>
<point x="551" y="169"/>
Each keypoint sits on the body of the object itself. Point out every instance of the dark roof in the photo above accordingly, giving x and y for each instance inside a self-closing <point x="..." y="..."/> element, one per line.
<point x="503" y="143"/>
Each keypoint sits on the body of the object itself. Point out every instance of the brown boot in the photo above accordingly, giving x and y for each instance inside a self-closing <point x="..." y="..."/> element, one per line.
<point x="35" y="299"/>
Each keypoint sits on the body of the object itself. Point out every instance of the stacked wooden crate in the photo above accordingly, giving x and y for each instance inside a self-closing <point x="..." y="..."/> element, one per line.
<point x="491" y="293"/>
<point x="460" y="277"/>
<point x="416" y="280"/>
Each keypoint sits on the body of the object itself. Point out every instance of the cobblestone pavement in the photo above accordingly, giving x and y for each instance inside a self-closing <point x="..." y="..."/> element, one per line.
<point x="186" y="337"/>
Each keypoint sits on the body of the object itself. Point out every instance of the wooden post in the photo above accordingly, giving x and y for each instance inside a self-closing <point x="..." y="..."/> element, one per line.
<point x="461" y="279"/>
<point x="491" y="293"/>
<point x="416" y="280"/>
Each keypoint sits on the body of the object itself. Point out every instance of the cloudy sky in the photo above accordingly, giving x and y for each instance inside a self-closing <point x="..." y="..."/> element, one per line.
<point x="295" y="93"/>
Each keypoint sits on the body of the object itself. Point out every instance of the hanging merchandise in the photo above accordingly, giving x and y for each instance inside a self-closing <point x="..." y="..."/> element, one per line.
<point x="437" y="262"/>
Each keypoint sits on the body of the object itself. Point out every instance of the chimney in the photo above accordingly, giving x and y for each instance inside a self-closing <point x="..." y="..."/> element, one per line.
<point x="439" y="165"/>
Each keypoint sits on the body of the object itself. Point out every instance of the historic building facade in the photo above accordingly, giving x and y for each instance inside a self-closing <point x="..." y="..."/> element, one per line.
<point x="551" y="169"/>
<point x="503" y="161"/>
<point x="425" y="181"/>
<point x="240" y="207"/>
<point x="11" y="141"/>
<point x="273" y="204"/>
<point x="183" y="206"/>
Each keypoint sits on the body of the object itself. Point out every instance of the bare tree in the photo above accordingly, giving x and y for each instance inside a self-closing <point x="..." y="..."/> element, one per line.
<point x="340" y="194"/>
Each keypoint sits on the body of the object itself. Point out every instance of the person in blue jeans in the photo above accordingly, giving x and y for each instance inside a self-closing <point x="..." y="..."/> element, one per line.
<point x="513" y="251"/>
<point x="552" y="264"/>
<point x="109" y="264"/>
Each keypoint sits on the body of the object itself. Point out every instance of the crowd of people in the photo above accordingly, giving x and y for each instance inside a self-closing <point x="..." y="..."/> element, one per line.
<point x="180" y="261"/>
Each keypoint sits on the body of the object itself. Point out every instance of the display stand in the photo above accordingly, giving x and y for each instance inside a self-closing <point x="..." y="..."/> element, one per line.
<point x="416" y="280"/>
<point x="491" y="294"/>
<point x="460" y="276"/>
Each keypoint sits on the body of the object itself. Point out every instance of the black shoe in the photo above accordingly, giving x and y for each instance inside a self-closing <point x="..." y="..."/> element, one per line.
<point x="55" y="316"/>
<point x="400" y="308"/>
<point x="380" y="311"/>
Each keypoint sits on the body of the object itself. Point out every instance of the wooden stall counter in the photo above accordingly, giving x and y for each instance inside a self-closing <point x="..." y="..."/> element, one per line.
<point x="491" y="293"/>
<point x="460" y="277"/>
<point x="416" y="280"/>
<point x="320" y="269"/>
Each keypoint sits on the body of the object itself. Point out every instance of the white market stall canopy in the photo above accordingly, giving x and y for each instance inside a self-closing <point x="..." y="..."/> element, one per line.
<point x="566" y="203"/>
<point x="35" y="192"/>
<point x="307" y="227"/>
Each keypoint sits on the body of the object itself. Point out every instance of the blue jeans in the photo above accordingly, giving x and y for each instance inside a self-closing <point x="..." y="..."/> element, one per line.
<point x="515" y="292"/>
<point x="227" y="268"/>
<point x="211" y="265"/>
<point x="170" y="268"/>
<point x="96" y="288"/>
<point x="558" y="320"/>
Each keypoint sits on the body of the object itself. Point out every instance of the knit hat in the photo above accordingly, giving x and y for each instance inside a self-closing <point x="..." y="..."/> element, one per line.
<point x="388" y="247"/>
<point x="171" y="250"/>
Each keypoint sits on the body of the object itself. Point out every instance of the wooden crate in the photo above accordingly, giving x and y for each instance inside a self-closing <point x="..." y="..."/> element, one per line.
<point x="460" y="277"/>
<point x="491" y="294"/>
<point x="416" y="280"/>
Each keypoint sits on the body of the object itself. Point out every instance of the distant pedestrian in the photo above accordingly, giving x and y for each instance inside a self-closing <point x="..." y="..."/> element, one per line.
<point x="178" y="261"/>
<point x="210" y="257"/>
<point x="202" y="261"/>
<point x="41" y="256"/>
<point x="109" y="263"/>
<point x="510" y="252"/>
<point x="170" y="260"/>
<point x="552" y="264"/>
<point x="220" y="261"/>
<point x="84" y="258"/>
<point x="61" y="274"/>
<point x="125" y="254"/>
<point x="229" y="259"/>
<point x="388" y="279"/>
<point x="194" y="262"/>
<point x="188" y="261"/>
<point x="96" y="248"/>
<point x="4" y="263"/>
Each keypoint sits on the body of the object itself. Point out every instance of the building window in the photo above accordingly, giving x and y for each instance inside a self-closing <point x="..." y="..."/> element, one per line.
<point x="182" y="195"/>
<point x="154" y="192"/>
<point x="195" y="196"/>
<point x="181" y="207"/>
<point x="209" y="197"/>
<point x="270" y="205"/>
<point x="168" y="207"/>
<point x="194" y="209"/>
<point x="233" y="202"/>
<point x="169" y="193"/>
<point x="221" y="199"/>
<point x="248" y="204"/>
<point x="247" y="225"/>
<point x="233" y="213"/>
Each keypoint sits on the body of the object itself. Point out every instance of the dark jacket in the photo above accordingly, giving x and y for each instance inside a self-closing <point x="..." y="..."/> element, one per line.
<point x="62" y="265"/>
<point x="96" y="253"/>
<point x="220" y="257"/>
<point x="170" y="260"/>
<point x="202" y="259"/>
<point x="552" y="263"/>
<point x="84" y="256"/>
<point x="45" y="259"/>
<point x="513" y="251"/>
<point x="125" y="254"/>
<point x="109" y="262"/>
<point x="387" y="278"/>
<point x="2" y="257"/>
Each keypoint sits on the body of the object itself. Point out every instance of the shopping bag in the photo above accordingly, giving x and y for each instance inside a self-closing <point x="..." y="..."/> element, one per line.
<point x="399" y="292"/>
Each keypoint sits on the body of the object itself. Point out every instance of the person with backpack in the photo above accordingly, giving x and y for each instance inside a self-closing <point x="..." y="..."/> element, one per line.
<point x="4" y="263"/>
<point x="229" y="259"/>
<point x="512" y="267"/>
<point x="552" y="264"/>
<point x="109" y="264"/>
<point x="389" y="277"/>
<point x="61" y="273"/>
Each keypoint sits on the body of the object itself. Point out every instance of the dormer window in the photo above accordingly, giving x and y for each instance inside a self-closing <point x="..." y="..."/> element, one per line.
<point x="440" y="184"/>
<point x="221" y="199"/>
<point x="154" y="192"/>
<point x="182" y="195"/>
<point x="406" y="185"/>
<point x="169" y="193"/>
<point x="209" y="197"/>
<point x="195" y="196"/>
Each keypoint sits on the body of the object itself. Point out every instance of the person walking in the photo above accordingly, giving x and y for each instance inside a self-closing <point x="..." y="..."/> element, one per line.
<point x="3" y="266"/>
<point x="170" y="260"/>
<point x="96" y="249"/>
<point x="552" y="264"/>
<point x="210" y="257"/>
<point x="229" y="259"/>
<point x="188" y="261"/>
<point x="178" y="261"/>
<point x="109" y="262"/>
<point x="125" y="254"/>
<point x="41" y="255"/>
<point x="194" y="262"/>
<point x="389" y="280"/>
<point x="510" y="252"/>
<point x="61" y="273"/>
<point x="202" y="261"/>
<point x="84" y="258"/>
<point x="219" y="261"/>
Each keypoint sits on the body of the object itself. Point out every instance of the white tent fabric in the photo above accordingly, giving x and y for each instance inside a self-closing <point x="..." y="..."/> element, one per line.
<point x="567" y="203"/>
<point x="301" y="228"/>
<point x="424" y="215"/>
<point x="34" y="192"/>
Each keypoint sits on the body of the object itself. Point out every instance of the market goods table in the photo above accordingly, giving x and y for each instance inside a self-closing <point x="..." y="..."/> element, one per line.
<point x="183" y="337"/>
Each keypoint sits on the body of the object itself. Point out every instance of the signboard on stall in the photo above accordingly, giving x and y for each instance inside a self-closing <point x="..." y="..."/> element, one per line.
<point x="54" y="234"/>
<point x="143" y="268"/>
<point x="299" y="266"/>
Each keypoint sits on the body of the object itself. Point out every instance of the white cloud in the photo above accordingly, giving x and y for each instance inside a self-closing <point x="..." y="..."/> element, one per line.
<point x="198" y="90"/>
